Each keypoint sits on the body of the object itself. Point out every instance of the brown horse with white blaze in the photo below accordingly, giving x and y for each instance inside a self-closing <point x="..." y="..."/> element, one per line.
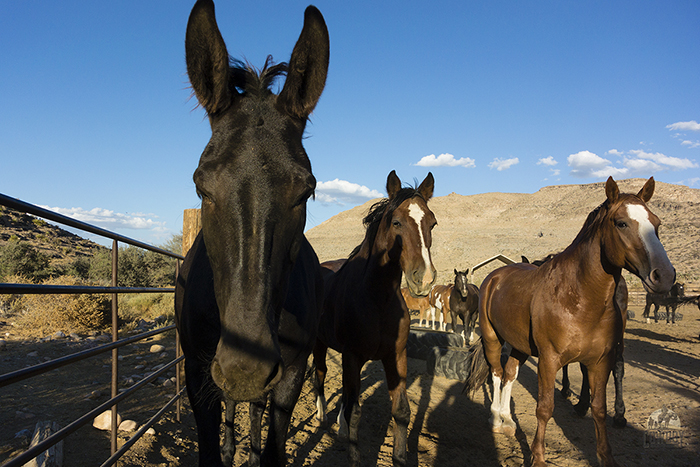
<point x="564" y="311"/>
<point x="364" y="315"/>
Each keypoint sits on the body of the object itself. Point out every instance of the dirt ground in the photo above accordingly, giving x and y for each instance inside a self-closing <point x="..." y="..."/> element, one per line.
<point x="447" y="428"/>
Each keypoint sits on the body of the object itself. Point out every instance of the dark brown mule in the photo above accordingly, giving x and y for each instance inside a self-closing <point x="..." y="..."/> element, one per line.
<point x="464" y="303"/>
<point x="420" y="304"/>
<point x="364" y="315"/>
<point x="249" y="293"/>
<point x="564" y="311"/>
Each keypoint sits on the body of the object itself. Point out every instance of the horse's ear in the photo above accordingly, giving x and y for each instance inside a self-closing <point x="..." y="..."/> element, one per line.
<point x="308" y="66"/>
<point x="466" y="272"/>
<point x="426" y="188"/>
<point x="611" y="190"/>
<point x="647" y="190"/>
<point x="523" y="259"/>
<point x="207" y="59"/>
<point x="456" y="272"/>
<point x="393" y="184"/>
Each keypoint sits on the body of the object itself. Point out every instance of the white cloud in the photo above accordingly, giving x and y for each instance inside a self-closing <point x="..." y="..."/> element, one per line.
<point x="343" y="192"/>
<point x="614" y="152"/>
<point x="110" y="220"/>
<point x="547" y="161"/>
<point x="503" y="164"/>
<point x="585" y="164"/>
<point x="684" y="126"/>
<point x="691" y="144"/>
<point x="663" y="161"/>
<point x="446" y="160"/>
<point x="555" y="172"/>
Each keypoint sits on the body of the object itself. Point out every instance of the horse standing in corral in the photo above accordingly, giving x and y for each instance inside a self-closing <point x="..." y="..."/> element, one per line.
<point x="364" y="315"/>
<point x="421" y="304"/>
<point x="249" y="294"/>
<point x="464" y="302"/>
<point x="439" y="298"/>
<point x="564" y="311"/>
<point x="618" y="371"/>
<point x="669" y="300"/>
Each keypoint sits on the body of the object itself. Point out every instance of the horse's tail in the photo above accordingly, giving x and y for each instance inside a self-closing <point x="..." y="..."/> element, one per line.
<point x="478" y="368"/>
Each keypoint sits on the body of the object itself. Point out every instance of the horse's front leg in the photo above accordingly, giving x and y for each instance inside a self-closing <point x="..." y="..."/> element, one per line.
<point x="618" y="374"/>
<point x="584" y="399"/>
<point x="284" y="398"/>
<point x="546" y="372"/>
<point x="257" y="409"/>
<point x="395" y="369"/>
<point x="598" y="377"/>
<point x="320" y="371"/>
<point x="349" y="416"/>
<point x="565" y="385"/>
<point x="228" y="451"/>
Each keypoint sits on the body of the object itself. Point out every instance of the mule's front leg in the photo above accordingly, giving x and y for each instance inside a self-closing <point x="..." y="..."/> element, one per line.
<point x="349" y="416"/>
<point x="257" y="409"/>
<point x="320" y="370"/>
<point x="228" y="451"/>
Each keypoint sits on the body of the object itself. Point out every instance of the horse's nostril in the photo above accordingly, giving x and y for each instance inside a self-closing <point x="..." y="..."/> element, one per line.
<point x="655" y="276"/>
<point x="273" y="376"/>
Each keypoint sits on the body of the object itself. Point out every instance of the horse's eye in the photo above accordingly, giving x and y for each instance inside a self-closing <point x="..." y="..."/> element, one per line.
<point x="396" y="224"/>
<point x="433" y="226"/>
<point x="621" y="224"/>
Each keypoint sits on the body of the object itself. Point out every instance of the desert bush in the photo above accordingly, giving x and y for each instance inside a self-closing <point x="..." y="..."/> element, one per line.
<point x="133" y="307"/>
<point x="72" y="312"/>
<point x="20" y="259"/>
<point x="11" y="304"/>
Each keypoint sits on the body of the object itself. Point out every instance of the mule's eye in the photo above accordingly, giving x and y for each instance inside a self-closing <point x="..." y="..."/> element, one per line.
<point x="621" y="224"/>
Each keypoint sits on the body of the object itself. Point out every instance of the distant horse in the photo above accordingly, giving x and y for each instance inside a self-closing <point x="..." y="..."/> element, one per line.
<point x="421" y="304"/>
<point x="565" y="311"/>
<point x="669" y="300"/>
<point x="439" y="298"/>
<point x="364" y="316"/>
<point x="250" y="291"/>
<point x="464" y="302"/>
<point x="618" y="370"/>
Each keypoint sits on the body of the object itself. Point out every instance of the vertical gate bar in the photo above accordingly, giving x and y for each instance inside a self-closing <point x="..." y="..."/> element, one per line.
<point x="115" y="337"/>
<point x="178" y="352"/>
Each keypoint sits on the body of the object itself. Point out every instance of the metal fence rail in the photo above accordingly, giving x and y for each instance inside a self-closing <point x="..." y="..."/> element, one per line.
<point x="22" y="374"/>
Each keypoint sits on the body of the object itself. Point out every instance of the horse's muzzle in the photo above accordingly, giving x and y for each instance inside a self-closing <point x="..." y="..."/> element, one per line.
<point x="246" y="382"/>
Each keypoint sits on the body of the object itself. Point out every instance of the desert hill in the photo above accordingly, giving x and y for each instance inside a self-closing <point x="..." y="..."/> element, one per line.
<point x="474" y="228"/>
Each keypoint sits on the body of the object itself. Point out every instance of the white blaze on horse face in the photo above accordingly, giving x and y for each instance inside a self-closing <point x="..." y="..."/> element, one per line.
<point x="657" y="254"/>
<point x="416" y="213"/>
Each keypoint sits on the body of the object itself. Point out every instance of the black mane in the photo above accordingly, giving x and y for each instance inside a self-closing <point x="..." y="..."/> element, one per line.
<point x="245" y="78"/>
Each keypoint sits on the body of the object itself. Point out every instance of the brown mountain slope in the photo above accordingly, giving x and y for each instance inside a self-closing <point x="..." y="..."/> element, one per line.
<point x="474" y="228"/>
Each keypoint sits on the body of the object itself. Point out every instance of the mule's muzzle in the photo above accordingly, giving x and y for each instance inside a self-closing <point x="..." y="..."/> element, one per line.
<point x="246" y="379"/>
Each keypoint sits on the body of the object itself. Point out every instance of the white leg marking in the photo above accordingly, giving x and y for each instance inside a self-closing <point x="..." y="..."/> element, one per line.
<point x="508" y="423"/>
<point x="321" y="409"/>
<point x="343" y="429"/>
<point x="495" y="419"/>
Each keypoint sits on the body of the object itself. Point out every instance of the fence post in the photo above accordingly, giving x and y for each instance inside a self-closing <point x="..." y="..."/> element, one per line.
<point x="191" y="225"/>
<point x="115" y="338"/>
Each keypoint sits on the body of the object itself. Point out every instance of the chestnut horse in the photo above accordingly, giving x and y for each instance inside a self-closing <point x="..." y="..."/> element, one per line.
<point x="249" y="294"/>
<point x="439" y="298"/>
<point x="364" y="315"/>
<point x="421" y="304"/>
<point x="565" y="311"/>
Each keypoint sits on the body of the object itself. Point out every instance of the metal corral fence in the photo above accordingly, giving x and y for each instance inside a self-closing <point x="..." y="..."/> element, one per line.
<point x="20" y="375"/>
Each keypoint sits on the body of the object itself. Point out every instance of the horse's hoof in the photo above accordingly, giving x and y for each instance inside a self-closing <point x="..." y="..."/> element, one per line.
<point x="619" y="422"/>
<point x="504" y="429"/>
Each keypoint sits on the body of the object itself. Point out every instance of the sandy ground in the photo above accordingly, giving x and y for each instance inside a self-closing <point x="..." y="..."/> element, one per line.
<point x="447" y="427"/>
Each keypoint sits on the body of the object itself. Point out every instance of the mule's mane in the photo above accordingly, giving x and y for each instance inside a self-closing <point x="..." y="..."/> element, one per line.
<point x="245" y="78"/>
<point x="387" y="206"/>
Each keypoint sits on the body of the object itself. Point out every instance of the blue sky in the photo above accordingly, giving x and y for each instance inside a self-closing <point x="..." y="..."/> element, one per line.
<point x="492" y="96"/>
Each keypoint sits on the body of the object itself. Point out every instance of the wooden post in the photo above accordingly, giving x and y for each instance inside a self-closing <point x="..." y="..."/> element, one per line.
<point x="191" y="225"/>
<point x="53" y="456"/>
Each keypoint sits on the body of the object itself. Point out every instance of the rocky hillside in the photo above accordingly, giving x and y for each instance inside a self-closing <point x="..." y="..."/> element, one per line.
<point x="474" y="228"/>
<point x="61" y="246"/>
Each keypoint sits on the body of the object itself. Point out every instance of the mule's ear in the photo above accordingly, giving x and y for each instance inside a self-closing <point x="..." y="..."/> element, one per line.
<point x="393" y="184"/>
<point x="427" y="186"/>
<point x="308" y="66"/>
<point x="207" y="59"/>
<point x="647" y="190"/>
<point x="611" y="190"/>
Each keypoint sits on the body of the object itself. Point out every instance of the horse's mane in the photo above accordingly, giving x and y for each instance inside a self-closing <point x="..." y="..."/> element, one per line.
<point x="245" y="78"/>
<point x="595" y="219"/>
<point x="373" y="218"/>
